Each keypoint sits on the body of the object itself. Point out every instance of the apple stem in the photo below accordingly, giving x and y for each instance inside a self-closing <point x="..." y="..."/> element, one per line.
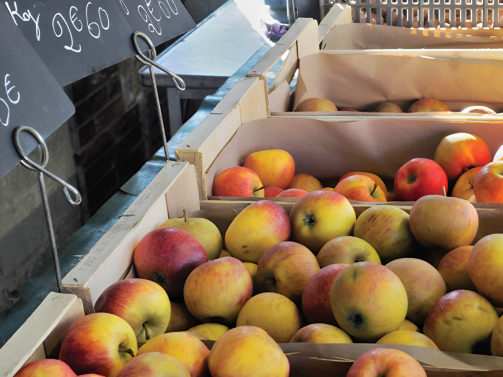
<point x="147" y="335"/>
<point x="443" y="191"/>
<point x="130" y="352"/>
<point x="261" y="188"/>
<point x="375" y="188"/>
<point x="185" y="215"/>
<point x="235" y="212"/>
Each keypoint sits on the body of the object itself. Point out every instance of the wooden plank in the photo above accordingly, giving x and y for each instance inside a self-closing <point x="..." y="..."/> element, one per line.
<point x="111" y="258"/>
<point x="287" y="70"/>
<point x="183" y="194"/>
<point x="339" y="14"/>
<point x="307" y="42"/>
<point x="49" y="321"/>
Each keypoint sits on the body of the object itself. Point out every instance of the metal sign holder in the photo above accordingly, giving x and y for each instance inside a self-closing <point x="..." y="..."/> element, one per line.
<point x="30" y="164"/>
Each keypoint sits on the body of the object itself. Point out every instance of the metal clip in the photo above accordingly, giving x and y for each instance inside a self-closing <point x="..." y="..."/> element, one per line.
<point x="32" y="165"/>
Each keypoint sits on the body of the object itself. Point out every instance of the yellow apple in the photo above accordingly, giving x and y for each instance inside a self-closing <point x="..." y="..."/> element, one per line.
<point x="180" y="319"/>
<point x="394" y="362"/>
<point x="305" y="182"/>
<point x="212" y="331"/>
<point x="275" y="167"/>
<point x="320" y="333"/>
<point x="154" y="364"/>
<point x="408" y="338"/>
<point x="408" y="326"/>
<point x="454" y="269"/>
<point x="347" y="250"/>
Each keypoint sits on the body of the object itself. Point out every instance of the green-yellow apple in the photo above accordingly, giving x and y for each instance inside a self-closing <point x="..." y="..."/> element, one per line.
<point x="372" y="176"/>
<point x="190" y="351"/>
<point x="238" y="181"/>
<point x="305" y="182"/>
<point x="320" y="333"/>
<point x="180" y="319"/>
<point x="496" y="339"/>
<point x="285" y="268"/>
<point x="360" y="187"/>
<point x="461" y="151"/>
<point x="212" y="331"/>
<point x="274" y="167"/>
<point x="154" y="364"/>
<point x="217" y="290"/>
<point x="488" y="184"/>
<point x="257" y="228"/>
<point x="461" y="321"/>
<point x="423" y="284"/>
<point x="316" y="296"/>
<point x="485" y="266"/>
<point x="443" y="222"/>
<point x="167" y="256"/>
<point x="386" y="362"/>
<point x="408" y="338"/>
<point x="316" y="104"/>
<point x="408" y="326"/>
<point x="368" y="301"/>
<point x="274" y="313"/>
<point x="386" y="229"/>
<point x="388" y="107"/>
<point x="463" y="189"/>
<point x="203" y="230"/>
<point x="46" y="368"/>
<point x="419" y="177"/>
<point x="321" y="216"/>
<point x="99" y="343"/>
<point x="141" y="303"/>
<point x="272" y="192"/>
<point x="454" y="269"/>
<point x="427" y="105"/>
<point x="347" y="250"/>
<point x="292" y="193"/>
<point x="247" y="351"/>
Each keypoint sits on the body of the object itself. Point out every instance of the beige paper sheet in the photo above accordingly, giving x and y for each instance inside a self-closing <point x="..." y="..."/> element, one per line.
<point x="368" y="36"/>
<point x="363" y="82"/>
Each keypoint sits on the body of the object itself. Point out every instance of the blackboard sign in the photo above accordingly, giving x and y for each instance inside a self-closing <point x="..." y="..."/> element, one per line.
<point x="161" y="20"/>
<point x="29" y="94"/>
<point x="74" y="38"/>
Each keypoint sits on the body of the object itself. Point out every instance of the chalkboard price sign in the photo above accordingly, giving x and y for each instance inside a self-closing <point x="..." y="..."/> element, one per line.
<point x="29" y="95"/>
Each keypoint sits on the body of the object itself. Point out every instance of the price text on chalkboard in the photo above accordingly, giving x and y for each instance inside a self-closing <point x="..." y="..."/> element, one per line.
<point x="29" y="95"/>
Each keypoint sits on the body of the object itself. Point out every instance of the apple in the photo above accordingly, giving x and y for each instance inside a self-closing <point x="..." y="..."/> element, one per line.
<point x="203" y="230"/>
<point x="461" y="321"/>
<point x="422" y="282"/>
<point x="320" y="333"/>
<point x="305" y="182"/>
<point x="388" y="107"/>
<point x="488" y="184"/>
<point x="408" y="326"/>
<point x="455" y="222"/>
<point x="386" y="229"/>
<point x="463" y="189"/>
<point x="272" y="192"/>
<point x="99" y="343"/>
<point x="154" y="364"/>
<point x="321" y="216"/>
<point x="247" y="351"/>
<point x="316" y="296"/>
<point x="45" y="368"/>
<point x="485" y="266"/>
<point x="461" y="151"/>
<point x="496" y="339"/>
<point x="212" y="331"/>
<point x="408" y="338"/>
<point x="420" y="177"/>
<point x="238" y="181"/>
<point x="316" y="104"/>
<point x="427" y="105"/>
<point x="257" y="228"/>
<point x="291" y="193"/>
<point x="368" y="301"/>
<point x="285" y="268"/>
<point x="190" y="351"/>
<point x="224" y="254"/>
<point x="274" y="167"/>
<point x="393" y="197"/>
<point x="385" y="362"/>
<point x="180" y="319"/>
<point x="360" y="187"/>
<point x="347" y="249"/>
<point x="454" y="269"/>
<point x="167" y="256"/>
<point x="143" y="304"/>
<point x="252" y="269"/>
<point x="373" y="177"/>
<point x="274" y="313"/>
<point x="217" y="290"/>
<point x="478" y="110"/>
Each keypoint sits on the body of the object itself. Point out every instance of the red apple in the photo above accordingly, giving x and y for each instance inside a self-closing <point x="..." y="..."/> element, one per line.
<point x="488" y="184"/>
<point x="272" y="192"/>
<point x="427" y="105"/>
<point x="291" y="193"/>
<point x="420" y="177"/>
<point x="167" y="256"/>
<point x="386" y="362"/>
<point x="46" y="368"/>
<point x="154" y="364"/>
<point x="274" y="167"/>
<point x="238" y="181"/>
<point x="360" y="187"/>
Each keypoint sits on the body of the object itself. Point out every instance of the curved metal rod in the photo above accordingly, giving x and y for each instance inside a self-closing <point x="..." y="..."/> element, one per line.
<point x="177" y="80"/>
<point x="32" y="165"/>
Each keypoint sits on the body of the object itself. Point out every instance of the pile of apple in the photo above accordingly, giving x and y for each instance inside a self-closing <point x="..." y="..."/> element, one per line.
<point x="316" y="275"/>
<point x="462" y="160"/>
